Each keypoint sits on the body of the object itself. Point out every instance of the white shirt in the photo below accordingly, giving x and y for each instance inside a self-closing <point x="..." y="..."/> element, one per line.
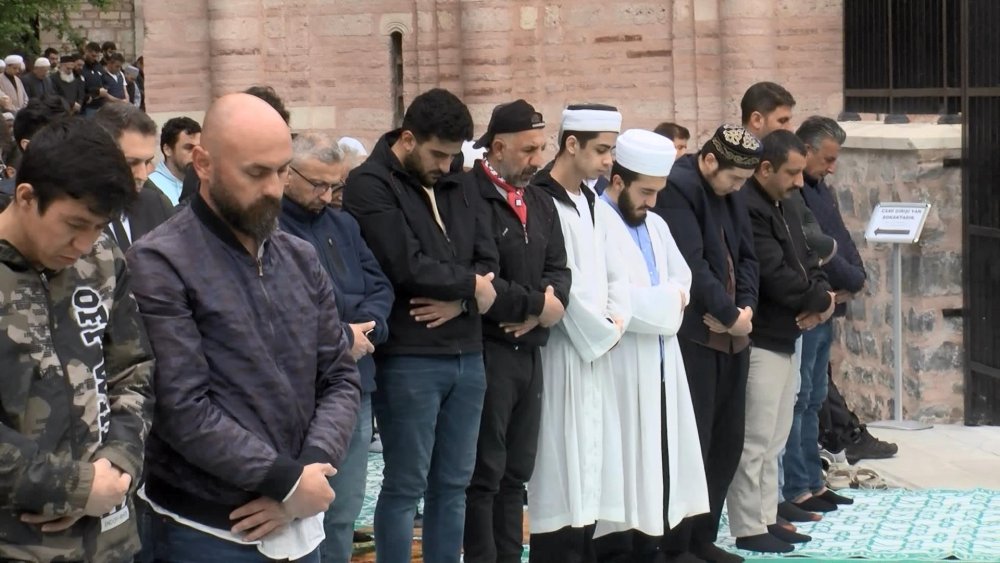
<point x="298" y="539"/>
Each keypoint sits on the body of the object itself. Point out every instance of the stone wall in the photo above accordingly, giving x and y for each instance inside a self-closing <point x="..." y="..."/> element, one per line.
<point x="683" y="60"/>
<point x="117" y="22"/>
<point x="904" y="163"/>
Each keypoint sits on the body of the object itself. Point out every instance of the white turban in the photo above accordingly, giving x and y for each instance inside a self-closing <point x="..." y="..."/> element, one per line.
<point x="353" y="144"/>
<point x="594" y="120"/>
<point x="645" y="152"/>
<point x="42" y="61"/>
<point x="14" y="60"/>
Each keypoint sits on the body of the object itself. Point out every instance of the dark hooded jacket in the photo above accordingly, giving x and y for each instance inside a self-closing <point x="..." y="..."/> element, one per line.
<point x="419" y="258"/>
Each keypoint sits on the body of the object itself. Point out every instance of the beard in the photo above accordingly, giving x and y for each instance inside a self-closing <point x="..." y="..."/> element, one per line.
<point x="67" y="77"/>
<point x="631" y="213"/>
<point x="258" y="220"/>
<point x="412" y="165"/>
<point x="519" y="179"/>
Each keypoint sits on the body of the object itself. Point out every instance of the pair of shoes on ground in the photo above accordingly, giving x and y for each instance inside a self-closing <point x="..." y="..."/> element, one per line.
<point x="869" y="447"/>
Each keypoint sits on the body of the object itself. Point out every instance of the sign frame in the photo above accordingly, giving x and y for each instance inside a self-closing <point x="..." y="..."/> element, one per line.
<point x="896" y="222"/>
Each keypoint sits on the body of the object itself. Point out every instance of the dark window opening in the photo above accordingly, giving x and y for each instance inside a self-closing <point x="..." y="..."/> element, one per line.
<point x="396" y="67"/>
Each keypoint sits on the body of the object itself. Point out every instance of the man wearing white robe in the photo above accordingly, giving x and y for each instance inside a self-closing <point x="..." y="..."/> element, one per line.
<point x="579" y="428"/>
<point x="651" y="386"/>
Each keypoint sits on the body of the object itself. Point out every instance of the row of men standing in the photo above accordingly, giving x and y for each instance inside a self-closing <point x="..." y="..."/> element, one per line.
<point x="601" y="273"/>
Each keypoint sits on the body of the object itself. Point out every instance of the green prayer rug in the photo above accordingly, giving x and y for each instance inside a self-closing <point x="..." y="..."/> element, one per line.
<point x="900" y="525"/>
<point x="893" y="525"/>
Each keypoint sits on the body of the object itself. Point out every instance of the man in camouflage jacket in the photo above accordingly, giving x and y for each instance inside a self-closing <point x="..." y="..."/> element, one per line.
<point x="75" y="398"/>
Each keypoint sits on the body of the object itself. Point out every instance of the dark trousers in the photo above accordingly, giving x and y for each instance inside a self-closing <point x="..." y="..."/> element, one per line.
<point x="505" y="458"/>
<point x="718" y="384"/>
<point x="566" y="545"/>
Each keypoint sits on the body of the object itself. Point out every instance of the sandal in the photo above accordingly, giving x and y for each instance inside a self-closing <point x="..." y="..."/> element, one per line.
<point x="868" y="479"/>
<point x="840" y="479"/>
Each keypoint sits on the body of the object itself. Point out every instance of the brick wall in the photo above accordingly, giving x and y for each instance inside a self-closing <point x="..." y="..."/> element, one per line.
<point x="683" y="60"/>
<point x="117" y="23"/>
<point x="906" y="166"/>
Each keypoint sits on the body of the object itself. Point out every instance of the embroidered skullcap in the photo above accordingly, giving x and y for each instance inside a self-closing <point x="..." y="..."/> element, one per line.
<point x="737" y="146"/>
<point x="14" y="60"/>
<point x="43" y="62"/>
<point x="592" y="117"/>
<point x="645" y="152"/>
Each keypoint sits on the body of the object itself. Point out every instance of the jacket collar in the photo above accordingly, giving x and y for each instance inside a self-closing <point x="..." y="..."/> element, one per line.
<point x="759" y="192"/>
<point x="486" y="186"/>
<point x="297" y="213"/>
<point x="218" y="227"/>
<point x="546" y="182"/>
<point x="382" y="154"/>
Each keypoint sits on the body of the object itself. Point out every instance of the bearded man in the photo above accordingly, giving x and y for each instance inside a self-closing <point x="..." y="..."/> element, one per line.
<point x="257" y="392"/>
<point x="532" y="291"/>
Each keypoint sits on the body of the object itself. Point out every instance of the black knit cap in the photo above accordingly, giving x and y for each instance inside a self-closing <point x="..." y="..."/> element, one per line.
<point x="512" y="117"/>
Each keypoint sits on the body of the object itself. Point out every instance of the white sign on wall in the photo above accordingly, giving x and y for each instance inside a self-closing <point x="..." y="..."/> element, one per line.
<point x="897" y="222"/>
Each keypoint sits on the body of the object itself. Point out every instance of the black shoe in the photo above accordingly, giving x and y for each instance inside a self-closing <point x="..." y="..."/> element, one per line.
<point x="834" y="498"/>
<point x="869" y="447"/>
<point x="418" y="520"/>
<point x="792" y="513"/>
<point x="816" y="504"/>
<point x="361" y="537"/>
<point x="714" y="554"/>
<point x="784" y="535"/>
<point x="764" y="543"/>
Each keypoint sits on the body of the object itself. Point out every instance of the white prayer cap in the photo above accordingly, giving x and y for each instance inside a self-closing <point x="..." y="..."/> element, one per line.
<point x="14" y="60"/>
<point x="645" y="152"/>
<point x="42" y="61"/>
<point x="8" y="116"/>
<point x="470" y="154"/>
<point x="591" y="117"/>
<point x="353" y="144"/>
<point x="3" y="65"/>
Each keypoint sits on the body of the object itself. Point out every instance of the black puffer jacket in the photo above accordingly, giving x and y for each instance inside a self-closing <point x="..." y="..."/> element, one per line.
<point x="791" y="281"/>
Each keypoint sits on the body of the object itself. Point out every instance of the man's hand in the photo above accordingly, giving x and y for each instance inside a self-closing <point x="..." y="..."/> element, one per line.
<point x="522" y="328"/>
<point x="619" y="324"/>
<point x="713" y="324"/>
<point x="843" y="296"/>
<point x="685" y="299"/>
<point x="485" y="293"/>
<point x="744" y="323"/>
<point x="76" y="107"/>
<point x="313" y="495"/>
<point x="108" y="490"/>
<point x="6" y="103"/>
<point x="103" y="93"/>
<point x="807" y="321"/>
<point x="829" y="310"/>
<point x="553" y="310"/>
<point x="433" y="312"/>
<point x="260" y="518"/>
<point x="362" y="345"/>
<point x="51" y="524"/>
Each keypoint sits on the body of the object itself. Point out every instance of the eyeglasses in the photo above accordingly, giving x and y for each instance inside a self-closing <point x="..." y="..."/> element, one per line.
<point x="320" y="187"/>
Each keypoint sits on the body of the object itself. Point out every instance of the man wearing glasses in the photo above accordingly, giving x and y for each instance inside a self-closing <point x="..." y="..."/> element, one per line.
<point x="364" y="298"/>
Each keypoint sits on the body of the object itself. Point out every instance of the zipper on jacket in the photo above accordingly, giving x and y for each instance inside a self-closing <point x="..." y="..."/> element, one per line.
<point x="260" y="268"/>
<point x="791" y="240"/>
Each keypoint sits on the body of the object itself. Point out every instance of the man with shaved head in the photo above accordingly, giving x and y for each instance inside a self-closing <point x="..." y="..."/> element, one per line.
<point x="257" y="393"/>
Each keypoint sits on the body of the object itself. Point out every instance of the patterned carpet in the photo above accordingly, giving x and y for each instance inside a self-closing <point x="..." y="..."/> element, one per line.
<point x="890" y="526"/>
